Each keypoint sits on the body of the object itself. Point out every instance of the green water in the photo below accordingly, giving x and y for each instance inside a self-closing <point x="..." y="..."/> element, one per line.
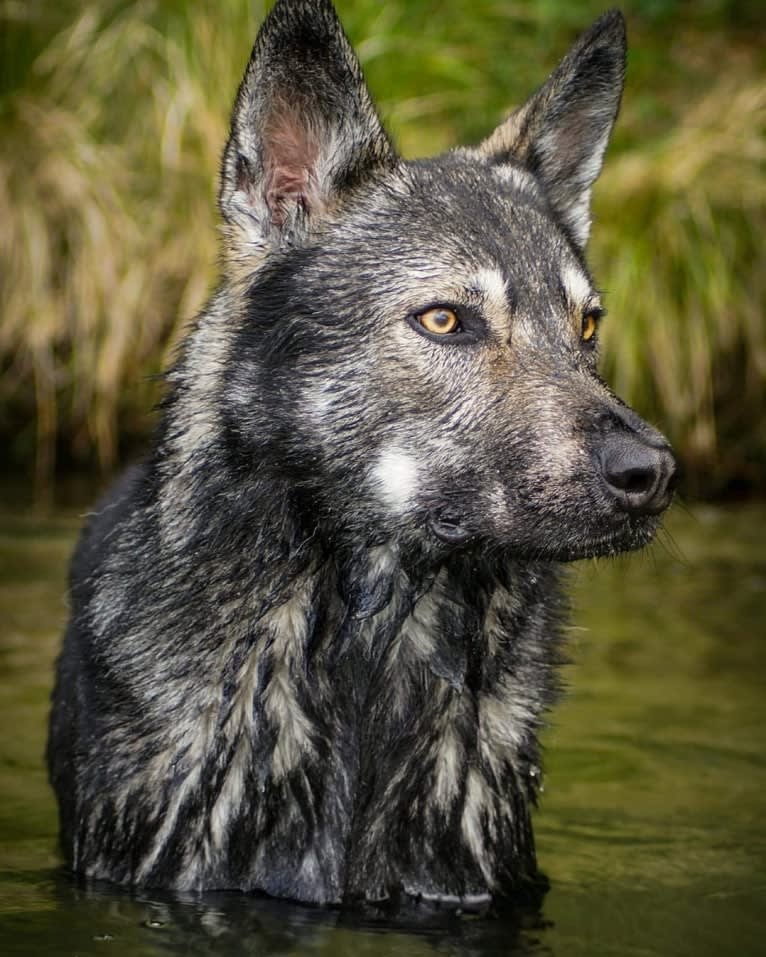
<point x="651" y="827"/>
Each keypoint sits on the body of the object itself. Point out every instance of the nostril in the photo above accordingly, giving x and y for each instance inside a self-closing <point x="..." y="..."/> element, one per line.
<point x="632" y="480"/>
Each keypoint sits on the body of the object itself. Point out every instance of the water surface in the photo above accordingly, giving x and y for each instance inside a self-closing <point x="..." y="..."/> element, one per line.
<point x="651" y="826"/>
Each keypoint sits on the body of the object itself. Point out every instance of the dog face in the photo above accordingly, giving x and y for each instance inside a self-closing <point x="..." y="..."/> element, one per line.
<point x="419" y="351"/>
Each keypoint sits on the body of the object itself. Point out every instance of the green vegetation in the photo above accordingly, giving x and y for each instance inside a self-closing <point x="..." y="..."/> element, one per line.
<point x="113" y="116"/>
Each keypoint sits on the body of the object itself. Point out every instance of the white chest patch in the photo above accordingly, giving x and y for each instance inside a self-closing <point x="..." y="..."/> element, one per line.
<point x="394" y="475"/>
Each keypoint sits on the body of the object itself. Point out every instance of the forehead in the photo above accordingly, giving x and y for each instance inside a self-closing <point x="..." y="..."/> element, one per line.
<point x="468" y="216"/>
<point x="456" y="228"/>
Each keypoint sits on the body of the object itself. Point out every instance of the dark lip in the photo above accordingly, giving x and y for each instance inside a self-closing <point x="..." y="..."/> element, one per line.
<point x="611" y="544"/>
<point x="621" y="538"/>
<point x="451" y="533"/>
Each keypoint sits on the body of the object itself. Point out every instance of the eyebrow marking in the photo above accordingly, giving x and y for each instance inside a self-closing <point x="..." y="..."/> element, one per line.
<point x="576" y="285"/>
<point x="492" y="287"/>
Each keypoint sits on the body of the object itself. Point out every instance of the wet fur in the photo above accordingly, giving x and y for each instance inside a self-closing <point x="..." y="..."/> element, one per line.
<point x="276" y="675"/>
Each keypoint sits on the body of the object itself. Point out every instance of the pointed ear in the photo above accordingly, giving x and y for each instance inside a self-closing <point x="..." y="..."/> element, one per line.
<point x="561" y="133"/>
<point x="304" y="128"/>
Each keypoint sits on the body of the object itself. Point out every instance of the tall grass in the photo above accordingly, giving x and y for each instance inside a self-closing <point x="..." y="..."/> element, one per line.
<point x="113" y="115"/>
<point x="107" y="223"/>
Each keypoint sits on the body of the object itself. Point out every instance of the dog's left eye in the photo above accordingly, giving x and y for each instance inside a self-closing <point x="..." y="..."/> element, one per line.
<point x="439" y="321"/>
<point x="590" y="324"/>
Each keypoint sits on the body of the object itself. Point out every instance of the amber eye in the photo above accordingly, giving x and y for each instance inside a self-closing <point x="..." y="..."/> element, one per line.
<point x="589" y="326"/>
<point x="438" y="321"/>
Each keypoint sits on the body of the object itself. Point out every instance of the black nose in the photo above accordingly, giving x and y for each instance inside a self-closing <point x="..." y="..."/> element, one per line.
<point x="641" y="476"/>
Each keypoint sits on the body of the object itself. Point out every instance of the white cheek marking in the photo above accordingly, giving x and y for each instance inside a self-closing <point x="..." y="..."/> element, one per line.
<point x="395" y="476"/>
<point x="577" y="285"/>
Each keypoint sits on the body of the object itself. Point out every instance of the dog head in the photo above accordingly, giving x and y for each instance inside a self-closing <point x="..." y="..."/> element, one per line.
<point x="416" y="349"/>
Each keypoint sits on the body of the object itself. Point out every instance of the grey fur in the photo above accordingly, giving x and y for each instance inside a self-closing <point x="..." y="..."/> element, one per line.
<point x="314" y="634"/>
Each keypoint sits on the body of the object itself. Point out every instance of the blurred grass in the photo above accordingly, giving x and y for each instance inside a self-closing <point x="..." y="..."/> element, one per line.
<point x="113" y="115"/>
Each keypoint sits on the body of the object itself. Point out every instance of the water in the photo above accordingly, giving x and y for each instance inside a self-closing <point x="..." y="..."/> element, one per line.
<point x="651" y="827"/>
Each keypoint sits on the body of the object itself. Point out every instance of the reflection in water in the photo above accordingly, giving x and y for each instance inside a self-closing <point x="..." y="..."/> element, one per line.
<point x="154" y="923"/>
<point x="650" y="828"/>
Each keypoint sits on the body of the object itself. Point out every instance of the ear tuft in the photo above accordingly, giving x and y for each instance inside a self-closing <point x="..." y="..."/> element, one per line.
<point x="562" y="132"/>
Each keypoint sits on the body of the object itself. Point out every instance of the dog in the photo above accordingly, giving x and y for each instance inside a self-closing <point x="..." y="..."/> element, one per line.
<point x="315" y="633"/>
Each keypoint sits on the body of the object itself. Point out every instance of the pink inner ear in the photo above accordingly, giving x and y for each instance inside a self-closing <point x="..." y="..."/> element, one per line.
<point x="291" y="152"/>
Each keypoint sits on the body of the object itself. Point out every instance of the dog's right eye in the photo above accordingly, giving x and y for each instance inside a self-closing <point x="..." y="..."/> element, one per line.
<point x="439" y="321"/>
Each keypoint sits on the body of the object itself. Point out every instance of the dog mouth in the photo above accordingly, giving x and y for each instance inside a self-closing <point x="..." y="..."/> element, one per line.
<point x="560" y="544"/>
<point x="608" y="543"/>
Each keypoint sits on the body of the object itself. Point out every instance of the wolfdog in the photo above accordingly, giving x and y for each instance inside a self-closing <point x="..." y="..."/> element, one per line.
<point x="314" y="634"/>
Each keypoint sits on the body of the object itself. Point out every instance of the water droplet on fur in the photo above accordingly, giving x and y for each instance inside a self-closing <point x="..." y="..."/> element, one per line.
<point x="537" y="776"/>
